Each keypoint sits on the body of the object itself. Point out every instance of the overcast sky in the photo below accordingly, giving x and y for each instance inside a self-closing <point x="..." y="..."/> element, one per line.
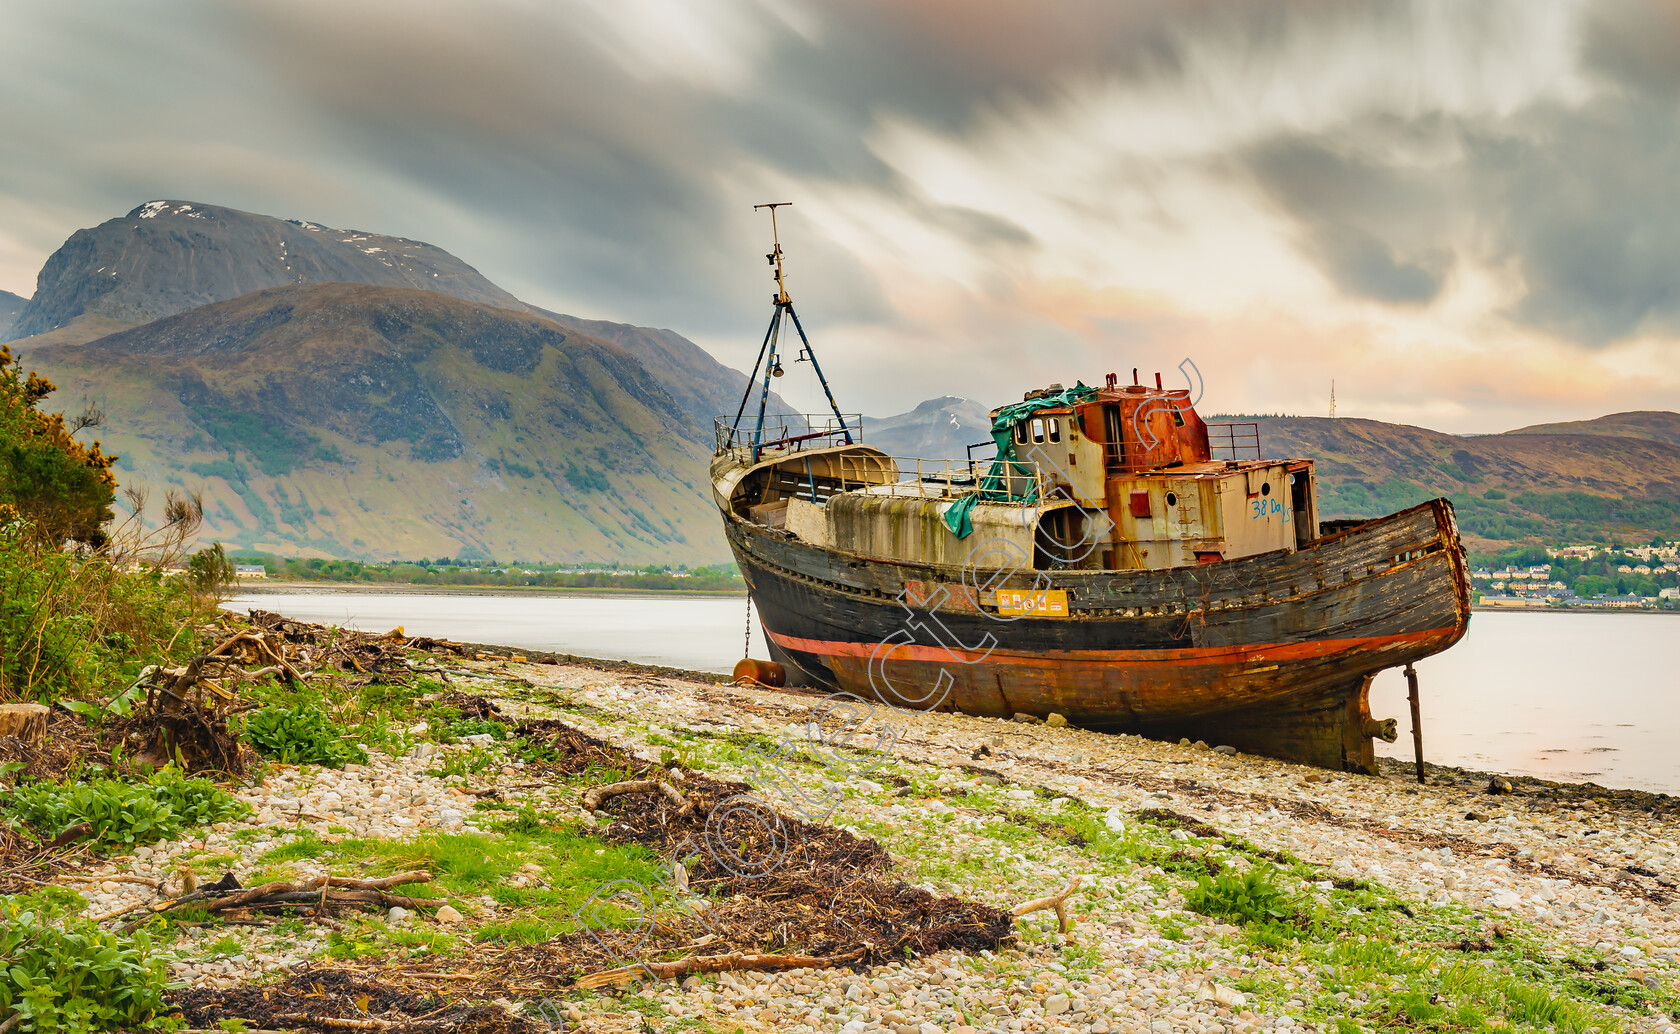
<point x="1466" y="213"/>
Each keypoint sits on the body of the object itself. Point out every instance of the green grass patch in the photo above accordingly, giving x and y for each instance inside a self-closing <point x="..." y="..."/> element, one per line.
<point x="572" y="865"/>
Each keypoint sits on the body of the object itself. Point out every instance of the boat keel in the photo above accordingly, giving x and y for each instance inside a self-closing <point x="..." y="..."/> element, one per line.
<point x="1336" y="733"/>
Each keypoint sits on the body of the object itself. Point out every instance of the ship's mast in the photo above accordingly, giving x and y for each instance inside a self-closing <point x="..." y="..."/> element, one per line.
<point x="769" y="352"/>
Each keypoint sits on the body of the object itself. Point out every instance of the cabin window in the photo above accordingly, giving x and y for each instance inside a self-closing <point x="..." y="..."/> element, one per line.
<point x="1055" y="429"/>
<point x="1178" y="417"/>
<point x="1021" y="433"/>
<point x="1172" y="498"/>
<point x="1266" y="489"/>
<point x="1038" y="431"/>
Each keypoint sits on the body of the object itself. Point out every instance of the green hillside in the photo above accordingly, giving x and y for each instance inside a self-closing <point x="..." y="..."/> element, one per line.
<point x="375" y="422"/>
<point x="1585" y="484"/>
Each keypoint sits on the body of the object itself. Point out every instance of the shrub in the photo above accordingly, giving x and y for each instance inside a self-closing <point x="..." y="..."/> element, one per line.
<point x="210" y="570"/>
<point x="63" y="973"/>
<point x="125" y="814"/>
<point x="302" y="735"/>
<point x="70" y="626"/>
<point x="63" y="489"/>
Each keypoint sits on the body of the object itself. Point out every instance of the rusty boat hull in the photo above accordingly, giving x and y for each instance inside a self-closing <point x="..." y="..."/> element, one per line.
<point x="1272" y="654"/>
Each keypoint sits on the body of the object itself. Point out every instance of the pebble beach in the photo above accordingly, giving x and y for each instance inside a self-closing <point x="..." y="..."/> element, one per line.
<point x="1579" y="879"/>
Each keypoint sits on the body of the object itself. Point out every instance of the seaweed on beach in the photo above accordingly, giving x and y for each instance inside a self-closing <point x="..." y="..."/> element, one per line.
<point x="792" y="885"/>
<point x="321" y="998"/>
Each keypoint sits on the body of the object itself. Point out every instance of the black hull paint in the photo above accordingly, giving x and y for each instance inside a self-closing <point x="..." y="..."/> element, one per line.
<point x="1271" y="654"/>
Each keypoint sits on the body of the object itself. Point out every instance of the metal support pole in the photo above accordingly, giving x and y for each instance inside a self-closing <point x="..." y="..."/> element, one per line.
<point x="769" y="365"/>
<point x="1417" y="725"/>
<point x="835" y="406"/>
<point x="775" y="317"/>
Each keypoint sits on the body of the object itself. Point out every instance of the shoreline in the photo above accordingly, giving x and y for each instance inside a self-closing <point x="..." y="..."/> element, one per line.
<point x="283" y="588"/>
<point x="280" y="588"/>
<point x="1460" y="775"/>
<point x="1436" y="879"/>
<point x="1394" y="769"/>
<point x="1478" y="608"/>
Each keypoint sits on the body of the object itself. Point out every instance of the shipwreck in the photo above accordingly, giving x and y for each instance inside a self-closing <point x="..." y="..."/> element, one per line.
<point x="1115" y="560"/>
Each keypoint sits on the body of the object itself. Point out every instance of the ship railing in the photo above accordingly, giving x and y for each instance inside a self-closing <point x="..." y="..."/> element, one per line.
<point x="1235" y="441"/>
<point x="787" y="433"/>
<point x="921" y="478"/>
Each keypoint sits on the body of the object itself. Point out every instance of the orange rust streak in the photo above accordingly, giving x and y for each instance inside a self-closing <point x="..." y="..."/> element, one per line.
<point x="1195" y="655"/>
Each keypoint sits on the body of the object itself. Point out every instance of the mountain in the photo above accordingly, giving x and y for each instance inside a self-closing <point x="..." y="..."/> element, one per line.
<point x="1657" y="425"/>
<point x="1506" y="487"/>
<point x="166" y="257"/>
<point x="940" y="428"/>
<point x="370" y="421"/>
<point x="10" y="306"/>
<point x="702" y="387"/>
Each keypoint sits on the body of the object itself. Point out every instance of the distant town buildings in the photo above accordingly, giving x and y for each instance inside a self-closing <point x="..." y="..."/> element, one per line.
<point x="1533" y="586"/>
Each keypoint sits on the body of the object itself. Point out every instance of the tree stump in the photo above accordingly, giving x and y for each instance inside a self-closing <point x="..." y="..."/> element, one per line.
<point x="28" y="722"/>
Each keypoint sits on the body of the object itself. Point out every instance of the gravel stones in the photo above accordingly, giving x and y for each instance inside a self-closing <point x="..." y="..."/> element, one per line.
<point x="1562" y="862"/>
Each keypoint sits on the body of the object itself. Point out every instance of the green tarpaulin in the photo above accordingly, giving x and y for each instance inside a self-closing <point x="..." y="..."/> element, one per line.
<point x="994" y="486"/>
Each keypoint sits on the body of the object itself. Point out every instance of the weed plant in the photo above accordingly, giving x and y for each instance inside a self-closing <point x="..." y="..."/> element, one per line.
<point x="123" y="814"/>
<point x="1250" y="897"/>
<point x="302" y="734"/>
<point x="454" y="731"/>
<point x="62" y="973"/>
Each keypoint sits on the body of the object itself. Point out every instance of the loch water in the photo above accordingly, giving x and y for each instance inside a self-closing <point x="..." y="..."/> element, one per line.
<point x="1569" y="696"/>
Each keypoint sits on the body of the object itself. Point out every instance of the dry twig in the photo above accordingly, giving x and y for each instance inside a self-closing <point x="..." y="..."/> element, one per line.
<point x="320" y="889"/>
<point x="1055" y="901"/>
<point x="716" y="964"/>
<point x="595" y="796"/>
<point x="334" y="1021"/>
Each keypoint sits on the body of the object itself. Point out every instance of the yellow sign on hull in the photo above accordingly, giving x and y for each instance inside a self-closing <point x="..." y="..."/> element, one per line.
<point x="1046" y="603"/>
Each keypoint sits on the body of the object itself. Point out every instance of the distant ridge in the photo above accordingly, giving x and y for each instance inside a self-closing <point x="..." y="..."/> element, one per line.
<point x="1656" y="424"/>
<point x="939" y="428"/>
<point x="1507" y="487"/>
<point x="702" y="387"/>
<point x="166" y="257"/>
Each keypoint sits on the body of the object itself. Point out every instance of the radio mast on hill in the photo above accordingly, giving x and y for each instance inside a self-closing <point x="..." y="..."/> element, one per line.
<point x="1332" y="398"/>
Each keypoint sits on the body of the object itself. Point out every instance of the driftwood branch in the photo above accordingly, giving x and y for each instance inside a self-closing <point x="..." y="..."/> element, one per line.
<point x="71" y="834"/>
<point x="334" y="1021"/>
<point x="1055" y="901"/>
<point x="345" y="897"/>
<point x="320" y="889"/>
<point x="595" y="796"/>
<point x="716" y="964"/>
<point x="145" y="881"/>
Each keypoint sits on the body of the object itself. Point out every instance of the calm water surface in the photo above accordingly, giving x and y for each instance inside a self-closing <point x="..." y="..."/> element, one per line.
<point x="701" y="633"/>
<point x="1563" y="696"/>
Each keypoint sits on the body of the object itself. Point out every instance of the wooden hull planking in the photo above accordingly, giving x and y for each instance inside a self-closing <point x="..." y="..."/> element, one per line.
<point x="1271" y="654"/>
